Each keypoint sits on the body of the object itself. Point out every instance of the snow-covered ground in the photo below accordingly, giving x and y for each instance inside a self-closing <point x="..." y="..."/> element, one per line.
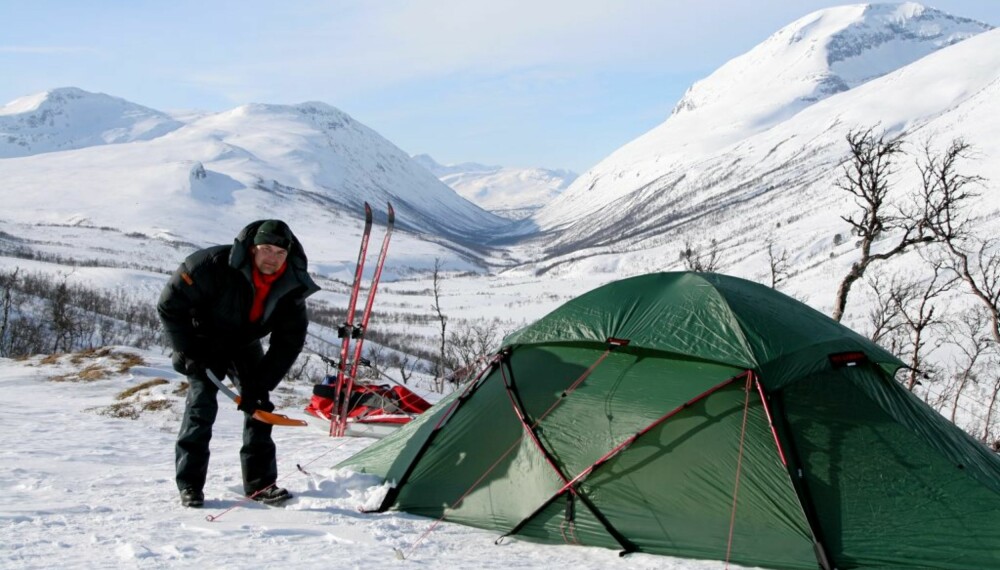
<point x="82" y="488"/>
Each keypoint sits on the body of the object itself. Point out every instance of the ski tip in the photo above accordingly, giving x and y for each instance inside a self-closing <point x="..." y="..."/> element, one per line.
<point x="392" y="212"/>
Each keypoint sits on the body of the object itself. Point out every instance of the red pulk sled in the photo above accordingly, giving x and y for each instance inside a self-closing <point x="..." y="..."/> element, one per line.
<point x="374" y="410"/>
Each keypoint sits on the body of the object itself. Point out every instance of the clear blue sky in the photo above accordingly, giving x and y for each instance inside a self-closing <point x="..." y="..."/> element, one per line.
<point x="553" y="83"/>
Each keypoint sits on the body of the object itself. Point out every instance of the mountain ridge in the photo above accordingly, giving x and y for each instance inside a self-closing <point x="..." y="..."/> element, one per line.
<point x="239" y="160"/>
<point x="778" y="185"/>
<point x="769" y="84"/>
<point x="69" y="118"/>
<point x="315" y="162"/>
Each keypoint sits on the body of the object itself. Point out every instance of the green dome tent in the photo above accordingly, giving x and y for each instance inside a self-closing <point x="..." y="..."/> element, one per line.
<point x="701" y="416"/>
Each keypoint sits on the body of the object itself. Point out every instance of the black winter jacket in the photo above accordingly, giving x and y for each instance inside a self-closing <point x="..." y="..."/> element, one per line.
<point x="205" y="309"/>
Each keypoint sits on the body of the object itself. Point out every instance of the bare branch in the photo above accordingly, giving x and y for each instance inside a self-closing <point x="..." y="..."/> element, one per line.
<point x="695" y="260"/>
<point x="867" y="176"/>
<point x="972" y="341"/>
<point x="947" y="194"/>
<point x="884" y="315"/>
<point x="918" y="312"/>
<point x="777" y="262"/>
<point x="440" y="369"/>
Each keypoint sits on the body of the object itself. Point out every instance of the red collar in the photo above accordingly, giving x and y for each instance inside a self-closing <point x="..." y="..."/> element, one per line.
<point x="261" y="287"/>
<point x="259" y="279"/>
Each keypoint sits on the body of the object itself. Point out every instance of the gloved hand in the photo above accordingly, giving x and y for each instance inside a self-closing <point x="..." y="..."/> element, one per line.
<point x="188" y="366"/>
<point x="185" y="365"/>
<point x="253" y="397"/>
<point x="252" y="405"/>
<point x="219" y="367"/>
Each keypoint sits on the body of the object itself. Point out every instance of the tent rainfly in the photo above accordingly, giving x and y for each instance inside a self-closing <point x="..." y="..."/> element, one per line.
<point x="702" y="416"/>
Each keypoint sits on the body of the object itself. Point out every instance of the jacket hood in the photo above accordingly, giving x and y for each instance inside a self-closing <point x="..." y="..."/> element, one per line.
<point x="239" y="256"/>
<point x="244" y="241"/>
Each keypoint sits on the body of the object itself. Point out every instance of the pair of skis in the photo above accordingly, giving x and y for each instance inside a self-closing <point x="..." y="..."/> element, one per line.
<point x="347" y="370"/>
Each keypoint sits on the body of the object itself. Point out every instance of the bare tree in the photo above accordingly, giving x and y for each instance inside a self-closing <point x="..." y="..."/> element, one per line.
<point x="42" y="314"/>
<point x="406" y="368"/>
<point x="440" y="368"/>
<point x="299" y="370"/>
<point x="696" y="260"/>
<point x="990" y="410"/>
<point x="916" y="306"/>
<point x="470" y="345"/>
<point x="946" y="193"/>
<point x="7" y="282"/>
<point x="884" y="314"/>
<point x="375" y="357"/>
<point x="777" y="262"/>
<point x="63" y="321"/>
<point x="973" y="342"/>
<point x="867" y="176"/>
<point x="904" y="315"/>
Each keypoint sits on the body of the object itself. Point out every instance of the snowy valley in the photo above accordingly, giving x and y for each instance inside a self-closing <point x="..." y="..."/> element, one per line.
<point x="107" y="195"/>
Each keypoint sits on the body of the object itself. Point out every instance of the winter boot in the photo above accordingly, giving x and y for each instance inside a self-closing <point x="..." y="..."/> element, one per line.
<point x="271" y="496"/>
<point x="192" y="498"/>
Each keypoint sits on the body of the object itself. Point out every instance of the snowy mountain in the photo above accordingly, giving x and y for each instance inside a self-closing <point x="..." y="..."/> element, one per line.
<point x="749" y="155"/>
<point x="70" y="118"/>
<point x="200" y="182"/>
<point x="198" y="179"/>
<point x="824" y="55"/>
<point x="513" y="193"/>
<point x="697" y="179"/>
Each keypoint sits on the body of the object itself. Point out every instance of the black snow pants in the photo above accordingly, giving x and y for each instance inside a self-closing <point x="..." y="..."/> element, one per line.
<point x="258" y="454"/>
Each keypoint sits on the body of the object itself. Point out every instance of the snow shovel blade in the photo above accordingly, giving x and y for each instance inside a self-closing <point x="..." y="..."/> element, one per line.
<point x="259" y="415"/>
<point x="277" y="419"/>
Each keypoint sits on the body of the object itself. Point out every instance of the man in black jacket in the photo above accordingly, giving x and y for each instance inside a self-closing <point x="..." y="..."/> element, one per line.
<point x="215" y="309"/>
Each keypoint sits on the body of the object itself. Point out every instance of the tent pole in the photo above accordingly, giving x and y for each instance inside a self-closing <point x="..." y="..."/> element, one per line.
<point x="794" y="470"/>
<point x="505" y="353"/>
<point x="572" y="483"/>
<point x="472" y="386"/>
<point x="530" y="429"/>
